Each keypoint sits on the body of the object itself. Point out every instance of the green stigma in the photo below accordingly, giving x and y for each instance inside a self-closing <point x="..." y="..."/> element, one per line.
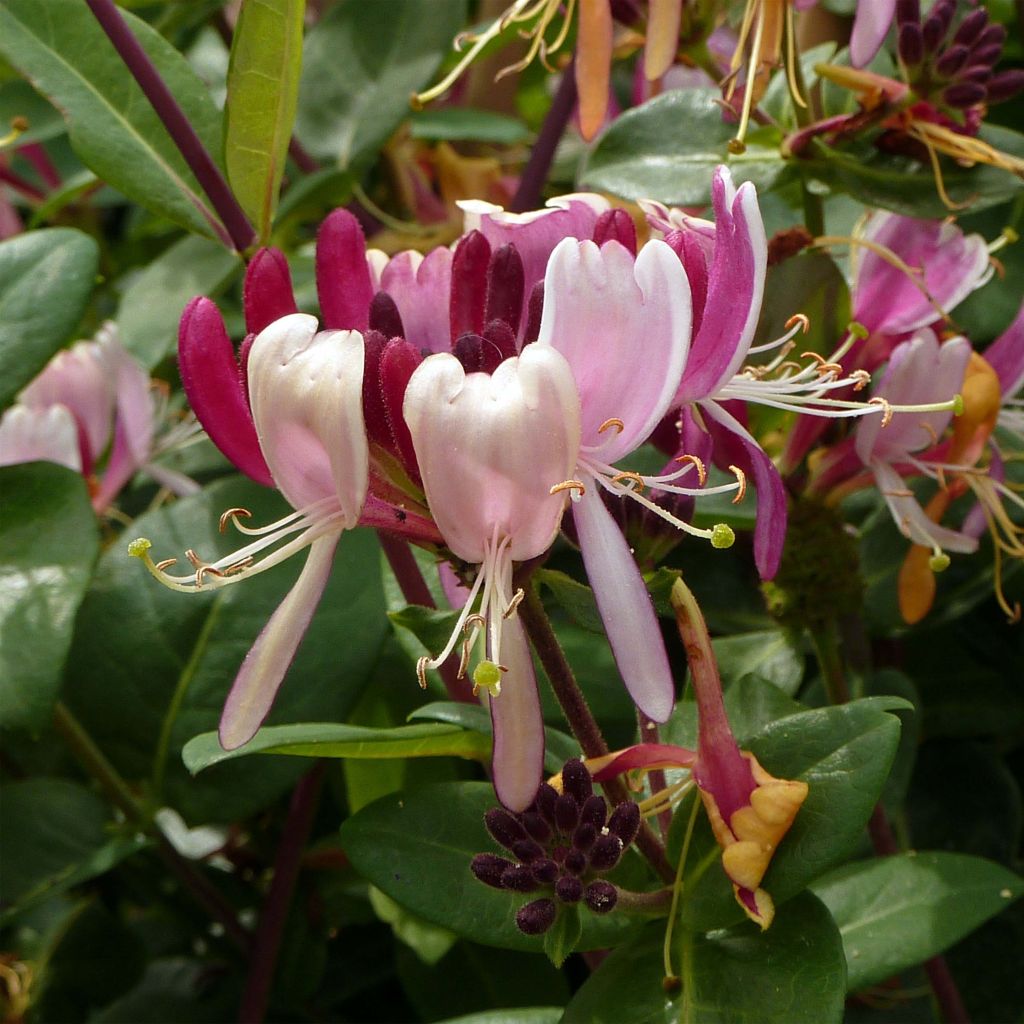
<point x="139" y="547"/>
<point x="958" y="405"/>
<point x="939" y="562"/>
<point x="858" y="330"/>
<point x="722" y="536"/>
<point x="488" y="676"/>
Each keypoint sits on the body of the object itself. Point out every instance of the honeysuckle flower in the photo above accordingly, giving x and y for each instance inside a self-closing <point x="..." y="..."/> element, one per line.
<point x="749" y="810"/>
<point x="490" y="448"/>
<point x="93" y="410"/>
<point x="305" y="389"/>
<point x="603" y="310"/>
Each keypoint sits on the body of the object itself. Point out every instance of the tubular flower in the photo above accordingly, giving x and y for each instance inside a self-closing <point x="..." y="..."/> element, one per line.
<point x="90" y="402"/>
<point x="490" y="447"/>
<point x="750" y="812"/>
<point x="305" y="390"/>
<point x="603" y="310"/>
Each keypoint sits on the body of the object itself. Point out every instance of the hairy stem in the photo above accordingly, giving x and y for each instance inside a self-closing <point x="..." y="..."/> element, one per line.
<point x="270" y="930"/>
<point x="95" y="763"/>
<point x="535" y="172"/>
<point x="240" y="232"/>
<point x="577" y="713"/>
<point x="825" y="639"/>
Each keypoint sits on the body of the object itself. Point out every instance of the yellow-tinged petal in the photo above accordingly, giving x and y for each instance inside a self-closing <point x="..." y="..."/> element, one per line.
<point x="982" y="397"/>
<point x="662" y="40"/>
<point x="593" y="64"/>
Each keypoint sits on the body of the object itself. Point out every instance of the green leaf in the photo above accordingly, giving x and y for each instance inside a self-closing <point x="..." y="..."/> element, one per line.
<point x="151" y="305"/>
<point x="518" y="1015"/>
<point x="575" y="597"/>
<point x="59" y="46"/>
<point x="790" y="974"/>
<point x="561" y="938"/>
<point x="843" y="754"/>
<point x="358" y="74"/>
<point x="54" y="834"/>
<point x="150" y="668"/>
<point x="770" y="654"/>
<point x="48" y="543"/>
<point x="431" y="834"/>
<point x="668" y="147"/>
<point x="431" y="626"/>
<point x="19" y="99"/>
<point x="263" y="92"/>
<point x="46" y="278"/>
<point x="897" y="911"/>
<point x="459" y="124"/>
<point x="324" y="739"/>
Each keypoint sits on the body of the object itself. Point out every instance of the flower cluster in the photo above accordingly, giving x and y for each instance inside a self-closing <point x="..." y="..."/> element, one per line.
<point x="561" y="843"/>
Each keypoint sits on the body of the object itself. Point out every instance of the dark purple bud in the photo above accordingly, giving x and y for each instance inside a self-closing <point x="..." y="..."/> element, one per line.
<point x="489" y="869"/>
<point x="518" y="878"/>
<point x="397" y="364"/>
<point x="469" y="284"/>
<point x="536" y="917"/>
<point x="374" y="415"/>
<point x="626" y="12"/>
<point x="560" y="853"/>
<point x="576" y="862"/>
<point x="534" y="310"/>
<point x="384" y="316"/>
<point x="501" y="338"/>
<point x="567" y="814"/>
<point x="505" y="828"/>
<point x="908" y="11"/>
<point x="601" y="896"/>
<point x="605" y="853"/>
<point x="267" y="293"/>
<point x="994" y="35"/>
<point x="538" y="828"/>
<point x="505" y="284"/>
<point x="979" y="73"/>
<point x="952" y="61"/>
<point x="625" y="822"/>
<point x="986" y="56"/>
<point x="594" y="811"/>
<point x="544" y="870"/>
<point x="469" y="350"/>
<point x="576" y="780"/>
<point x="547" y="797"/>
<point x="569" y="889"/>
<point x="937" y="24"/>
<point x="964" y="95"/>
<point x="527" y="850"/>
<point x="616" y="226"/>
<point x="1005" y="84"/>
<point x="584" y="836"/>
<point x="971" y="27"/>
<point x="911" y="44"/>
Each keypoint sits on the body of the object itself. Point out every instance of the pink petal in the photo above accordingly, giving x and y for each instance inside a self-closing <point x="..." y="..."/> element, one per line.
<point x="47" y="435"/>
<point x="870" y="25"/>
<point x="518" y="757"/>
<point x="212" y="381"/>
<point x="625" y="606"/>
<point x="342" y="276"/>
<point x="420" y="286"/>
<point x="886" y="300"/>
<point x="735" y="288"/>
<point x="735" y="445"/>
<point x="624" y="327"/>
<point x="1006" y="356"/>
<point x="306" y="392"/>
<point x="491" y="447"/>
<point x="262" y="672"/>
<point x="132" y="393"/>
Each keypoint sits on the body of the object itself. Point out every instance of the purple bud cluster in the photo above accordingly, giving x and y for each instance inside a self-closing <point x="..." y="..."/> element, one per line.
<point x="958" y="68"/>
<point x="559" y="843"/>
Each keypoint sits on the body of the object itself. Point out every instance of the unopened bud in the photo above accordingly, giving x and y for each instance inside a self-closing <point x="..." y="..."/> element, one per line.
<point x="576" y="781"/>
<point x="605" y="853"/>
<point x="601" y="896"/>
<point x="489" y="869"/>
<point x="504" y="827"/>
<point x="569" y="889"/>
<point x="536" y="917"/>
<point x="625" y="822"/>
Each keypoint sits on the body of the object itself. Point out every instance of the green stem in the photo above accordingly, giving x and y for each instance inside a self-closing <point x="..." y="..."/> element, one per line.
<point x="825" y="639"/>
<point x="120" y="794"/>
<point x="654" y="903"/>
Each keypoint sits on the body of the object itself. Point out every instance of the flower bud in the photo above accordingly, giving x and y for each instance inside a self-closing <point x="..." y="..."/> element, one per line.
<point x="545" y="870"/>
<point x="489" y="869"/>
<point x="618" y="226"/>
<point x="601" y="896"/>
<point x="545" y="800"/>
<point x="536" y="917"/>
<point x="567" y="813"/>
<point x="952" y="61"/>
<point x="594" y="812"/>
<point x="384" y="316"/>
<point x="569" y="889"/>
<point x="605" y="853"/>
<point x="1004" y="85"/>
<point x="576" y="781"/>
<point x="527" y="850"/>
<point x="911" y="44"/>
<point x="908" y="11"/>
<point x="963" y="95"/>
<point x="536" y="826"/>
<point x="971" y="27"/>
<point x="518" y="878"/>
<point x="576" y="862"/>
<point x="584" y="836"/>
<point x="504" y="827"/>
<point x="625" y="822"/>
<point x="505" y="283"/>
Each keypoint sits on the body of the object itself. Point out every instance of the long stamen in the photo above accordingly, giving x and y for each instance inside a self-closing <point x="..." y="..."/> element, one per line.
<point x="426" y="661"/>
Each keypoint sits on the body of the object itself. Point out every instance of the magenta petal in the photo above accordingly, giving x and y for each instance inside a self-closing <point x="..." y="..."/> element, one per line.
<point x="1006" y="356"/>
<point x="267" y="293"/>
<point x="625" y="606"/>
<point x="262" y="672"/>
<point x="213" y="385"/>
<point x="646" y="755"/>
<point x="735" y="445"/>
<point x="518" y="757"/>
<point x="342" y="275"/>
<point x="870" y="25"/>
<point x="735" y="287"/>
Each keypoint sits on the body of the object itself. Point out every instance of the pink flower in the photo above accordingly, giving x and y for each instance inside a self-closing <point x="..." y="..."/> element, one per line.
<point x="92" y="409"/>
<point x="491" y="447"/>
<point x="305" y="389"/>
